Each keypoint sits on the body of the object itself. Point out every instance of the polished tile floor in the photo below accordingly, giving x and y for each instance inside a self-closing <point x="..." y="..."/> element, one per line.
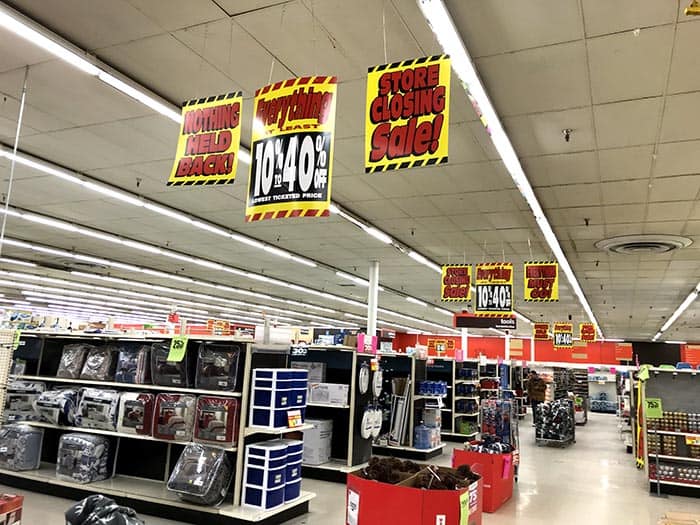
<point x="592" y="481"/>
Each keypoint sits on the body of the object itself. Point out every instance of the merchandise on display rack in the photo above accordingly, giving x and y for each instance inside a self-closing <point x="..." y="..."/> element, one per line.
<point x="87" y="431"/>
<point x="602" y="388"/>
<point x="555" y="423"/>
<point x="493" y="460"/>
<point x="466" y="413"/>
<point x="671" y="448"/>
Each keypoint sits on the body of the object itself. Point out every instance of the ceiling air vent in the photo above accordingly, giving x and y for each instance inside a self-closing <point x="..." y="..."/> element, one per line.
<point x="643" y="244"/>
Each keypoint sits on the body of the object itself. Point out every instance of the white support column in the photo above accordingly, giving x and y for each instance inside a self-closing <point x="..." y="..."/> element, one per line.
<point x="372" y="298"/>
<point x="465" y="343"/>
<point x="507" y="359"/>
<point x="532" y="348"/>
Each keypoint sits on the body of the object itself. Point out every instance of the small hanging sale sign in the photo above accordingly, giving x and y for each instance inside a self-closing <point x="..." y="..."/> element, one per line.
<point x="587" y="332"/>
<point x="456" y="282"/>
<point x="408" y="114"/>
<point x="210" y="136"/>
<point x="541" y="281"/>
<point x="292" y="149"/>
<point x="494" y="289"/>
<point x="563" y="335"/>
<point x="653" y="408"/>
<point x="540" y="331"/>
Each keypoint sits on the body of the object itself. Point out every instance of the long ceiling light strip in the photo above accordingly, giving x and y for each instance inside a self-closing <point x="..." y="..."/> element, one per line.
<point x="443" y="27"/>
<point x="690" y="299"/>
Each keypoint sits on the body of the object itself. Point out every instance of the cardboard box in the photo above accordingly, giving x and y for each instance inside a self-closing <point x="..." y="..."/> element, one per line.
<point x="317" y="371"/>
<point x="11" y="509"/>
<point x="497" y="471"/>
<point x="317" y="442"/>
<point x="329" y="393"/>
<point x="373" y="503"/>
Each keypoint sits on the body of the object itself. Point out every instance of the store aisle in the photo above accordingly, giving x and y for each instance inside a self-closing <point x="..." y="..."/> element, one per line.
<point x="593" y="481"/>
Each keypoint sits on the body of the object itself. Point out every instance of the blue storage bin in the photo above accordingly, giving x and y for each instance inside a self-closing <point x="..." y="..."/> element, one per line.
<point x="294" y="446"/>
<point x="293" y="471"/>
<point x="292" y="491"/>
<point x="295" y="457"/>
<point x="298" y="397"/>
<point x="266" y="478"/>
<point x="267" y="463"/>
<point x="263" y="499"/>
<point x="270" y="418"/>
<point x="270" y="398"/>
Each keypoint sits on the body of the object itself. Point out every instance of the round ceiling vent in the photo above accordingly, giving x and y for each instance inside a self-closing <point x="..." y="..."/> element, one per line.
<point x="643" y="244"/>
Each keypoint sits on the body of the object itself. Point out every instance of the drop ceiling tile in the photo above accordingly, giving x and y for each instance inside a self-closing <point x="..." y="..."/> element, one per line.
<point x="625" y="163"/>
<point x="179" y="13"/>
<point x="668" y="211"/>
<point x="685" y="66"/>
<point x="666" y="227"/>
<point x="624" y="66"/>
<point x="603" y="17"/>
<point x="575" y="216"/>
<point x="628" y="123"/>
<point x="624" y="192"/>
<point x="478" y="21"/>
<point x="575" y="195"/>
<point x="674" y="188"/>
<point x="678" y="158"/>
<point x="681" y="118"/>
<point x="624" y="213"/>
<point x="567" y="168"/>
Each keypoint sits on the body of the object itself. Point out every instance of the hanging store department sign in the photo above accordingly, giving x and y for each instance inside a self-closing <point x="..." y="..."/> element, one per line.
<point x="494" y="289"/>
<point x="207" y="148"/>
<point x="456" y="282"/>
<point x="563" y="335"/>
<point x="587" y="332"/>
<point x="407" y="120"/>
<point x="541" y="281"/>
<point x="540" y="331"/>
<point x="292" y="149"/>
<point x="466" y="320"/>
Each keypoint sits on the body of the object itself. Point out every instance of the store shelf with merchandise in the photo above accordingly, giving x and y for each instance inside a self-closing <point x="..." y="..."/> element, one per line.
<point x="671" y="444"/>
<point x="342" y="386"/>
<point x="142" y="484"/>
<point x="466" y="415"/>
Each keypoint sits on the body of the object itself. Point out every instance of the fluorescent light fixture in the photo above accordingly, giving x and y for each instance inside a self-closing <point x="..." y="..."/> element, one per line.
<point x="658" y="334"/>
<point x="278" y="252"/>
<point x="523" y="318"/>
<point x="676" y="342"/>
<point x="443" y="311"/>
<point x="440" y="21"/>
<point x="377" y="234"/>
<point x="140" y="95"/>
<point x="607" y="340"/>
<point x="424" y="261"/>
<point x="10" y="260"/>
<point x="304" y="261"/>
<point x="334" y="209"/>
<point x="115" y="194"/>
<point x="61" y="225"/>
<point x="244" y="155"/>
<point x="416" y="301"/>
<point x="682" y="308"/>
<point x="141" y="246"/>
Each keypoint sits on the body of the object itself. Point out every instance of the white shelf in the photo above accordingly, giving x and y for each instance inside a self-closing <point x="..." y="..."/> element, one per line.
<point x="676" y="483"/>
<point x="153" y="491"/>
<point x="336" y="465"/>
<point x="112" y="433"/>
<point x="146" y="337"/>
<point x="473" y="414"/>
<point x="676" y="458"/>
<point x="412" y="449"/>
<point x="419" y="397"/>
<point x="489" y="389"/>
<point x="460" y="434"/>
<point x="327" y="405"/>
<point x="249" y="431"/>
<point x="672" y="433"/>
<point x="131" y="386"/>
<point x="467" y="397"/>
<point x="468" y="381"/>
<point x="446" y="409"/>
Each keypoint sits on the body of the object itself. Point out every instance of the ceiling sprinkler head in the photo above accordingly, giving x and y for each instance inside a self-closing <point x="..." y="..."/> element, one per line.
<point x="567" y="134"/>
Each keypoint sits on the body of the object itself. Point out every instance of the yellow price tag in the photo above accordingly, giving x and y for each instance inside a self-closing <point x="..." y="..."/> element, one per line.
<point x="464" y="508"/>
<point x="653" y="408"/>
<point x="178" y="347"/>
<point x="15" y="339"/>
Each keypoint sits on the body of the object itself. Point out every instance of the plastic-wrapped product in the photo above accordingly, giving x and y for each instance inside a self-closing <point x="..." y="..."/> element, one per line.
<point x="99" y="363"/>
<point x="101" y="510"/>
<point x="57" y="406"/>
<point x="19" y="403"/>
<point x="82" y="458"/>
<point x="20" y="447"/>
<point x="167" y="373"/>
<point x="134" y="365"/>
<point x="136" y="413"/>
<point x="217" y="366"/>
<point x="202" y="475"/>
<point x="97" y="409"/>
<point x="217" y="420"/>
<point x="173" y="417"/>
<point x="72" y="360"/>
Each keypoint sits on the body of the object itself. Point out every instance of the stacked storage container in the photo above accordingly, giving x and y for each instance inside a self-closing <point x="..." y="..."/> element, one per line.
<point x="295" y="453"/>
<point x="265" y="477"/>
<point x="276" y="391"/>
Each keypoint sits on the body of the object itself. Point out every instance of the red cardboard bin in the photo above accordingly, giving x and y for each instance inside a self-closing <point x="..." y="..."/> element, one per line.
<point x="496" y="471"/>
<point x="11" y="509"/>
<point x="373" y="503"/>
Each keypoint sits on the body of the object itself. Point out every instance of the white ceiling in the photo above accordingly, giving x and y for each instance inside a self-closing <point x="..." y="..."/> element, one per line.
<point x="632" y="165"/>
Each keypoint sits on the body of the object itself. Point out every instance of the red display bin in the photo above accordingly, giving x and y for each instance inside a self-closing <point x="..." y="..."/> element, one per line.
<point x="496" y="471"/>
<point x="11" y="509"/>
<point x="375" y="503"/>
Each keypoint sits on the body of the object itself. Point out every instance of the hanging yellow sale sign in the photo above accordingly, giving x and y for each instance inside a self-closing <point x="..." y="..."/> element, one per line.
<point x="456" y="282"/>
<point x="408" y="114"/>
<point x="541" y="281"/>
<point x="494" y="289"/>
<point x="587" y="332"/>
<point x="563" y="335"/>
<point x="209" y="140"/>
<point x="292" y="149"/>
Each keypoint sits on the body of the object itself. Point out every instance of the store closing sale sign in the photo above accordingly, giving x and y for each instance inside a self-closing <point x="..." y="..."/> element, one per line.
<point x="456" y="282"/>
<point x="563" y="334"/>
<point x="541" y="281"/>
<point x="207" y="147"/>
<point x="292" y="149"/>
<point x="587" y="332"/>
<point x="494" y="289"/>
<point x="407" y="120"/>
<point x="540" y="331"/>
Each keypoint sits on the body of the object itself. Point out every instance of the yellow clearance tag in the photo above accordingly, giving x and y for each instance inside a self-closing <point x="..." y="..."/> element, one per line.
<point x="653" y="408"/>
<point x="15" y="339"/>
<point x="178" y="347"/>
<point x="464" y="508"/>
<point x="294" y="418"/>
